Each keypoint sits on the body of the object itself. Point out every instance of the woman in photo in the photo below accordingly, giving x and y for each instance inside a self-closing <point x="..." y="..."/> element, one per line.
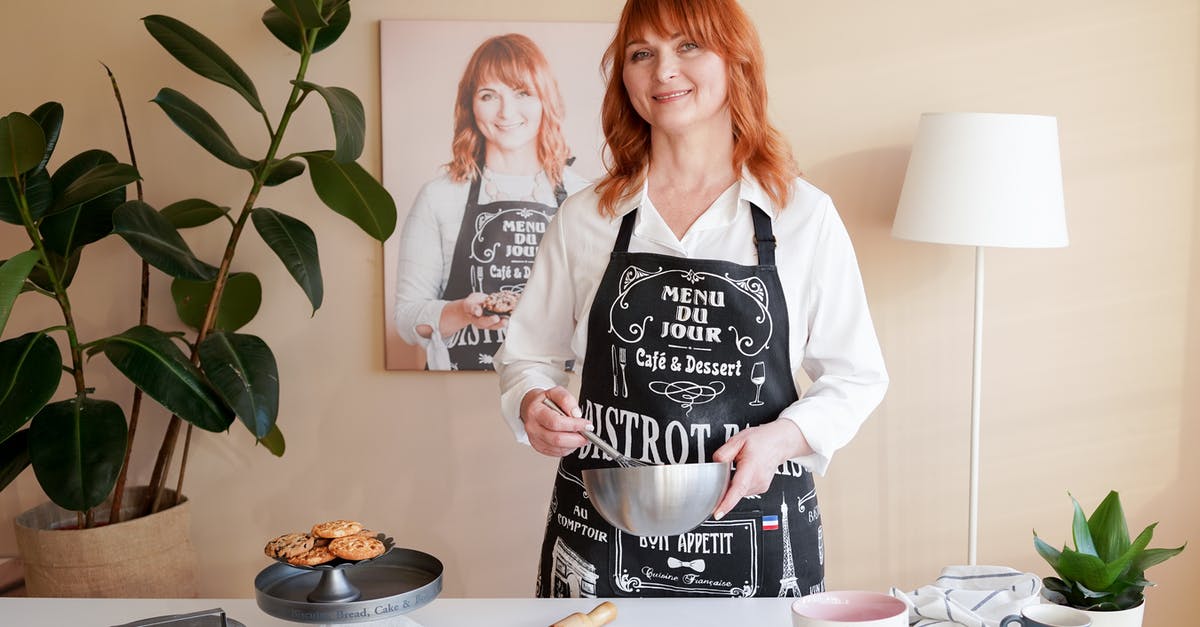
<point x="469" y="241"/>
<point x="698" y="282"/>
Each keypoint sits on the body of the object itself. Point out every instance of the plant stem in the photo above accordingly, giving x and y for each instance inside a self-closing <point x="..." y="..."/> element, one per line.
<point x="210" y="313"/>
<point x="114" y="515"/>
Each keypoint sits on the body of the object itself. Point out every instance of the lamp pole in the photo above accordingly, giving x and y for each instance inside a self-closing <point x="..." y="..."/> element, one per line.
<point x="976" y="392"/>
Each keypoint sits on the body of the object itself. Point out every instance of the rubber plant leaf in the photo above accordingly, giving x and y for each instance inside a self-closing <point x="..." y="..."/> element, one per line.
<point x="151" y="360"/>
<point x="94" y="183"/>
<point x="240" y="300"/>
<point x="39" y="195"/>
<point x="201" y="55"/>
<point x="288" y="32"/>
<point x="283" y="171"/>
<point x="349" y="121"/>
<point x="304" y="13"/>
<point x="198" y="124"/>
<point x="22" y="144"/>
<point x="30" y="369"/>
<point x="13" y="273"/>
<point x="64" y="269"/>
<point x="155" y="240"/>
<point x="77" y="447"/>
<point x="296" y="246"/>
<point x="82" y="224"/>
<point x="274" y="441"/>
<point x="243" y="371"/>
<point x="14" y="457"/>
<point x="49" y="116"/>
<point x="192" y="212"/>
<point x="349" y="190"/>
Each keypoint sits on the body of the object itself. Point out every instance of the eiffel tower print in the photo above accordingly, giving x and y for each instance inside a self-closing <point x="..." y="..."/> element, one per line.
<point x="787" y="585"/>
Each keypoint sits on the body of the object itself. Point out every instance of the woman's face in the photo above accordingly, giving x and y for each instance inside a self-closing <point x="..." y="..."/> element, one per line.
<point x="507" y="118"/>
<point x="674" y="84"/>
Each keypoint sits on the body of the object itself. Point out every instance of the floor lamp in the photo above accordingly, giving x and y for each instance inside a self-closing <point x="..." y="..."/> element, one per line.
<point x="983" y="179"/>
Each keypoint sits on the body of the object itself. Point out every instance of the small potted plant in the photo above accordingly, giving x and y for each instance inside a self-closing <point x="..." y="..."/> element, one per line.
<point x="1105" y="574"/>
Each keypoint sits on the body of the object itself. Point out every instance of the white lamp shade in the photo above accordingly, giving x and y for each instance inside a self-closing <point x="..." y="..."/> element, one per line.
<point x="984" y="179"/>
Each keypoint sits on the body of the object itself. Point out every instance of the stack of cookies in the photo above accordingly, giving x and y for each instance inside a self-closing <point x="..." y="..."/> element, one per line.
<point x="335" y="539"/>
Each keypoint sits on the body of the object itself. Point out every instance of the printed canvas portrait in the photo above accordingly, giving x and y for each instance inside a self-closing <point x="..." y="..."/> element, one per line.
<point x="487" y="127"/>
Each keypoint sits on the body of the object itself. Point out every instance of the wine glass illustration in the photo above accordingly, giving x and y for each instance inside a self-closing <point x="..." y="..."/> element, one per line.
<point x="758" y="376"/>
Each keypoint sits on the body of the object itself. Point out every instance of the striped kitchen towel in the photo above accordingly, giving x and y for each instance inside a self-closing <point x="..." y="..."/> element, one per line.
<point x="974" y="596"/>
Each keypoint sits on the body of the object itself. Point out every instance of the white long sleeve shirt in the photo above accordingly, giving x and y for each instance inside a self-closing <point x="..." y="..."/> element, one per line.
<point x="832" y="339"/>
<point x="426" y="251"/>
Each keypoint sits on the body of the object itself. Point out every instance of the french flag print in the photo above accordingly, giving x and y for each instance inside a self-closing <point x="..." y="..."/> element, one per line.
<point x="770" y="523"/>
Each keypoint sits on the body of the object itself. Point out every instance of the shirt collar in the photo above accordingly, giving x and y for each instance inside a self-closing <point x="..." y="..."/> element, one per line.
<point x="749" y="190"/>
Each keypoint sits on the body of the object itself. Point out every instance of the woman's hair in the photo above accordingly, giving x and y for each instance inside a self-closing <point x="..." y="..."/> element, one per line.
<point x="516" y="61"/>
<point x="720" y="26"/>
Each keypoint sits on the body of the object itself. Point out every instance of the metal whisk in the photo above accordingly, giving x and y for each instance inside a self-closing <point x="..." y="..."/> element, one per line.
<point x="622" y="460"/>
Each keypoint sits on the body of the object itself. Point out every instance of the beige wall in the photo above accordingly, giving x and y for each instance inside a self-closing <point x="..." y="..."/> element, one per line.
<point x="1092" y="352"/>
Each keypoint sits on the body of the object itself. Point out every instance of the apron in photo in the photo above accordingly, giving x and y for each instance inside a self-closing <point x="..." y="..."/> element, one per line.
<point x="494" y="252"/>
<point x="681" y="354"/>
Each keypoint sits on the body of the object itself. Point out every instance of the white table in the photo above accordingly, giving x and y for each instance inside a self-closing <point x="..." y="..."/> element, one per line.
<point x="442" y="612"/>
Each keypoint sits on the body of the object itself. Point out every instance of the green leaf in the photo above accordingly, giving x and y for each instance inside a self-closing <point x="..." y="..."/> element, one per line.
<point x="82" y="224"/>
<point x="12" y="276"/>
<point x="148" y="358"/>
<point x="49" y="116"/>
<point x="286" y="31"/>
<point x="1048" y="553"/>
<point x="198" y="124"/>
<point x="77" y="447"/>
<point x="30" y="368"/>
<point x="282" y="172"/>
<point x="38" y="193"/>
<point x="64" y="269"/>
<point x="242" y="369"/>
<point x="1080" y="531"/>
<point x="1107" y="528"/>
<point x="22" y="144"/>
<point x="192" y="212"/>
<point x="1153" y="557"/>
<point x="274" y="442"/>
<point x="14" y="457"/>
<point x="201" y="55"/>
<point x="1084" y="569"/>
<point x="304" y="13"/>
<point x="155" y="240"/>
<point x="240" y="301"/>
<point x="296" y="245"/>
<point x="349" y="190"/>
<point x="349" y="121"/>
<point x="96" y="182"/>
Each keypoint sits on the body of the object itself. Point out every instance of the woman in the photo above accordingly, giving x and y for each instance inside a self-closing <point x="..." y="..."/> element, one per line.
<point x="697" y="282"/>
<point x="470" y="238"/>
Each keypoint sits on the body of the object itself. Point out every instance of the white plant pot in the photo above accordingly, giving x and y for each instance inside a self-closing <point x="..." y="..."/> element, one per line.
<point x="1131" y="617"/>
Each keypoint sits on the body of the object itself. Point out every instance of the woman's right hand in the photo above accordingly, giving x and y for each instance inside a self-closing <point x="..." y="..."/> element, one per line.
<point x="457" y="314"/>
<point x="550" y="432"/>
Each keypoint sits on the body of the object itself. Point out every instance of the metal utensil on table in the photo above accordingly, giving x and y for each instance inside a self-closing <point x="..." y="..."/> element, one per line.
<point x="622" y="460"/>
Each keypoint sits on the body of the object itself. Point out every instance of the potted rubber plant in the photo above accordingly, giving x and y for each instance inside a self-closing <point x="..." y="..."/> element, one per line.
<point x="1105" y="574"/>
<point x="208" y="376"/>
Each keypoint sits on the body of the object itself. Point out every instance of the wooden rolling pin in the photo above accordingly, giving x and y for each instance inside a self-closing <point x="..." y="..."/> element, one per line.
<point x="600" y="615"/>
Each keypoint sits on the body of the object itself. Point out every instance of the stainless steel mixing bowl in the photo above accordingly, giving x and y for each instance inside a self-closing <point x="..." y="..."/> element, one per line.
<point x="657" y="500"/>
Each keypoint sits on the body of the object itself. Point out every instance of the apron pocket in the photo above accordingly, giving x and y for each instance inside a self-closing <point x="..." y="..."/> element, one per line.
<point x="720" y="558"/>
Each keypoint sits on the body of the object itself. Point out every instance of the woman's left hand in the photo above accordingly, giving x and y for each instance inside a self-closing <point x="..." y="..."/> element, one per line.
<point x="757" y="452"/>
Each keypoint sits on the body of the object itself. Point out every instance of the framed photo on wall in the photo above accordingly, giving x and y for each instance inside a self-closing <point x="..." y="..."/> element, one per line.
<point x="487" y="127"/>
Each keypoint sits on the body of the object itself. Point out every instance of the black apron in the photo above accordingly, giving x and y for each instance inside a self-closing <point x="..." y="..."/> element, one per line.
<point x="494" y="252"/>
<point x="681" y="354"/>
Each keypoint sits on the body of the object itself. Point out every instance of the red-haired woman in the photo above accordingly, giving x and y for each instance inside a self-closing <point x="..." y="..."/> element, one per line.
<point x="473" y="232"/>
<point x="699" y="282"/>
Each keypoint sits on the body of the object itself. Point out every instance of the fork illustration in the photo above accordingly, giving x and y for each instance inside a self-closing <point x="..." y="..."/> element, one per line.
<point x="621" y="360"/>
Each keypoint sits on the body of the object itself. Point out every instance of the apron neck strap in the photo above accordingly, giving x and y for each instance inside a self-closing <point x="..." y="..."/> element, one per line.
<point x="764" y="235"/>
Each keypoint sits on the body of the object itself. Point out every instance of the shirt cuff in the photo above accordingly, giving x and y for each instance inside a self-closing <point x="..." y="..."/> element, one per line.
<point x="510" y="401"/>
<point x="817" y="433"/>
